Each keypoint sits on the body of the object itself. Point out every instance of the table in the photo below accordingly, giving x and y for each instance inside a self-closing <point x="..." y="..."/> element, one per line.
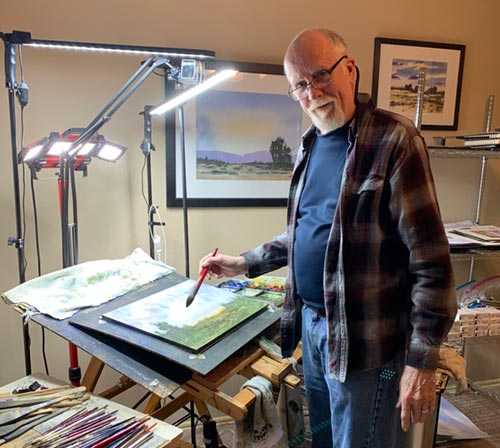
<point x="166" y="435"/>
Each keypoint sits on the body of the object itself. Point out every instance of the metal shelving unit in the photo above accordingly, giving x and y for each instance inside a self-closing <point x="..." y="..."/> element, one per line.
<point x="484" y="154"/>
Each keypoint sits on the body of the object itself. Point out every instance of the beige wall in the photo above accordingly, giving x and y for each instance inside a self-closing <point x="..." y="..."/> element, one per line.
<point x="68" y="89"/>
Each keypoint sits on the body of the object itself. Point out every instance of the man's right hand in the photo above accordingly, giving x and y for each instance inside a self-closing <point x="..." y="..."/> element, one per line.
<point x="221" y="265"/>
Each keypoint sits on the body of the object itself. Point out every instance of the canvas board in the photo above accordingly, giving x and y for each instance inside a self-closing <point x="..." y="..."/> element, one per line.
<point x="214" y="313"/>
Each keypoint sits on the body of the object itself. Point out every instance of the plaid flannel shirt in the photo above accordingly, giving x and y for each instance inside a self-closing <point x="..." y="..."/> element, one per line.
<point x="388" y="278"/>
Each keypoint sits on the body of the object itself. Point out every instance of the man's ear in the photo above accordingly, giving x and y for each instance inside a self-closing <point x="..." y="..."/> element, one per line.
<point x="351" y="66"/>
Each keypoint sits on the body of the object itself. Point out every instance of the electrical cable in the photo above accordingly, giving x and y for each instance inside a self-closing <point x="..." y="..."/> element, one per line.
<point x="159" y="247"/>
<point x="39" y="265"/>
<point x="159" y="241"/>
<point x="142" y="180"/>
<point x="74" y="203"/>
<point x="23" y="99"/>
<point x="141" y="400"/>
<point x="23" y="195"/>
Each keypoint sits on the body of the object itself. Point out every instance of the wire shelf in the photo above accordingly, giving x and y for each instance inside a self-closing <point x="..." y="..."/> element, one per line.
<point x="461" y="151"/>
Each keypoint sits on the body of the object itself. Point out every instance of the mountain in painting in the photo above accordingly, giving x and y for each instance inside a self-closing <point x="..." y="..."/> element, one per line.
<point x="229" y="157"/>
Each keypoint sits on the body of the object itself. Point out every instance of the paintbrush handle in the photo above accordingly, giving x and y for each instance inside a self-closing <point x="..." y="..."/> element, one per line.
<point x="198" y="283"/>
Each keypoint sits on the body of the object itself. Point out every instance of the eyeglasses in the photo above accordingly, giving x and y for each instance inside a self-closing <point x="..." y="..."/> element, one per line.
<point x="319" y="80"/>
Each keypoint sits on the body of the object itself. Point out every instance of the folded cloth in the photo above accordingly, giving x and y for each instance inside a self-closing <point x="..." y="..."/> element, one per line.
<point x="62" y="293"/>
<point x="261" y="428"/>
<point x="453" y="365"/>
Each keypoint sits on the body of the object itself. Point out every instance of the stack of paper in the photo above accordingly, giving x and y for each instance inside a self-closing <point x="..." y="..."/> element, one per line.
<point x="465" y="234"/>
<point x="482" y="140"/>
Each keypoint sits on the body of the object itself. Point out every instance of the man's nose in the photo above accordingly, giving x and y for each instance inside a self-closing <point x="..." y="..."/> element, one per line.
<point x="313" y="92"/>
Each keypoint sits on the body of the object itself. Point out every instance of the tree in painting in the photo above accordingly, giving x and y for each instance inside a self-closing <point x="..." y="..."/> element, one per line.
<point x="281" y="153"/>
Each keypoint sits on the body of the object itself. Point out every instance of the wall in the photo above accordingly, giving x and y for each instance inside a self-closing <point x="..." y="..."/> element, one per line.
<point x="68" y="89"/>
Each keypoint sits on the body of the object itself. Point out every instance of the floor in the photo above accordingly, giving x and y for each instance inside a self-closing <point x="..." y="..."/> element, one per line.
<point x="482" y="406"/>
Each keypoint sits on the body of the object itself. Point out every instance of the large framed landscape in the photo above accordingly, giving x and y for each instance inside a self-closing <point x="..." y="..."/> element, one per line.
<point x="240" y="140"/>
<point x="396" y="70"/>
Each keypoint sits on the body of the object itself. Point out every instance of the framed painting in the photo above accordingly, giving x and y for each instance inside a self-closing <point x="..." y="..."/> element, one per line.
<point x="396" y="70"/>
<point x="240" y="137"/>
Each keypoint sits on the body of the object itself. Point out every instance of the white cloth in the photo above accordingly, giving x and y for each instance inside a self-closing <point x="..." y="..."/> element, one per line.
<point x="261" y="428"/>
<point x="62" y="293"/>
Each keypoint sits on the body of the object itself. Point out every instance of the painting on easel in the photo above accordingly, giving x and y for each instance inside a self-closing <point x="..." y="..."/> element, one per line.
<point x="214" y="313"/>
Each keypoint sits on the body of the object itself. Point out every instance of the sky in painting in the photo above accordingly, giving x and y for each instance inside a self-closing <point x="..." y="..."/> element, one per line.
<point x="169" y="306"/>
<point x="244" y="122"/>
<point x="406" y="71"/>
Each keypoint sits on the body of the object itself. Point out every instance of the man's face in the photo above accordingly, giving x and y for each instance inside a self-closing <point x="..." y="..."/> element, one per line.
<point x="332" y="105"/>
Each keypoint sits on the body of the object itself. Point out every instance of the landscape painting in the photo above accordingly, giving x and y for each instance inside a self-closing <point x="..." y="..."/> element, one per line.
<point x="213" y="313"/>
<point x="246" y="136"/>
<point x="397" y="69"/>
<point x="404" y="85"/>
<point x="236" y="143"/>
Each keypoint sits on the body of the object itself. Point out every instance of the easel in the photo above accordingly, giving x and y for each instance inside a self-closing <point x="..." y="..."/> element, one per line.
<point x="163" y="369"/>
<point x="203" y="390"/>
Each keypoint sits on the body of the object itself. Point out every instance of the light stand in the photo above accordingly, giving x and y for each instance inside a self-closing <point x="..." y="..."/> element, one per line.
<point x="178" y="102"/>
<point x="147" y="146"/>
<point x="66" y="173"/>
<point x="10" y="40"/>
<point x="69" y="234"/>
<point x="70" y="249"/>
<point x="180" y="112"/>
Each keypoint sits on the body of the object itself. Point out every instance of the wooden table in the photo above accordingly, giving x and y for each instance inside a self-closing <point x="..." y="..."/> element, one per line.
<point x="166" y="435"/>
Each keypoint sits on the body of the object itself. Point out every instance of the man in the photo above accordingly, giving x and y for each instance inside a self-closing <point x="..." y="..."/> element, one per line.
<point x="370" y="285"/>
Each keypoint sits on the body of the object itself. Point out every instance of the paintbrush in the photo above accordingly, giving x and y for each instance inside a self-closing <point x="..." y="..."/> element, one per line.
<point x="198" y="283"/>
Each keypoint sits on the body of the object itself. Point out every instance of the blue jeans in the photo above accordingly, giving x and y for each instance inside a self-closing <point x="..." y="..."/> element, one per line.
<point x="359" y="413"/>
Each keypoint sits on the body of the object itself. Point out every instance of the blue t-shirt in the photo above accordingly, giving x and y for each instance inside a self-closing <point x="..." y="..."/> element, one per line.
<point x="315" y="213"/>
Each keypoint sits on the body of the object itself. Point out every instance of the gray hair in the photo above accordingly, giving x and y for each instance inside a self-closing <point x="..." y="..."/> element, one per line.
<point x="337" y="40"/>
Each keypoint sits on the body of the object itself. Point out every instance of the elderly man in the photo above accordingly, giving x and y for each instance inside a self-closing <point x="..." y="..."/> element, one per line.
<point x="370" y="286"/>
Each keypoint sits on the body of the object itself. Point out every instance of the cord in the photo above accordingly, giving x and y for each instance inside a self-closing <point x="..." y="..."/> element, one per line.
<point x="23" y="96"/>
<point x="142" y="180"/>
<point x="210" y="436"/>
<point x="23" y="193"/>
<point x="159" y="241"/>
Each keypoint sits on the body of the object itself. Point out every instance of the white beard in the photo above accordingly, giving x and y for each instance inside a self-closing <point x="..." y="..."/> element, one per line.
<point x="331" y="119"/>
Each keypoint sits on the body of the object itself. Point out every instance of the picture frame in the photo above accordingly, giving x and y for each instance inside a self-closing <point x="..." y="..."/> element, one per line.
<point x="396" y="68"/>
<point x="228" y="133"/>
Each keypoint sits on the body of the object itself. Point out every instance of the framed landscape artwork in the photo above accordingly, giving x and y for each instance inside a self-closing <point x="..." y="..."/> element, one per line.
<point x="214" y="313"/>
<point x="396" y="70"/>
<point x="240" y="137"/>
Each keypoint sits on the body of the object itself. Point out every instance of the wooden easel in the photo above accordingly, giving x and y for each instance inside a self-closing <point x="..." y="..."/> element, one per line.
<point x="203" y="390"/>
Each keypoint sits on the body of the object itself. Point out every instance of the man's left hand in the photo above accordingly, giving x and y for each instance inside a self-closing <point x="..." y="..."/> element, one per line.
<point x="417" y="395"/>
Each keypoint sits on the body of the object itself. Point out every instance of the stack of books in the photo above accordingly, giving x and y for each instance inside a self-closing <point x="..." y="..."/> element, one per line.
<point x="490" y="140"/>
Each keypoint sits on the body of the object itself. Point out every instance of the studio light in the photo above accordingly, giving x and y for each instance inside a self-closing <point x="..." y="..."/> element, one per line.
<point x="74" y="150"/>
<point x="193" y="91"/>
<point x="47" y="152"/>
<point x="24" y="38"/>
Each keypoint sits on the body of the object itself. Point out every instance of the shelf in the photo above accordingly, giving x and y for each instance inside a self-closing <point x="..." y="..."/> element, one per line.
<point x="476" y="253"/>
<point x="460" y="151"/>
